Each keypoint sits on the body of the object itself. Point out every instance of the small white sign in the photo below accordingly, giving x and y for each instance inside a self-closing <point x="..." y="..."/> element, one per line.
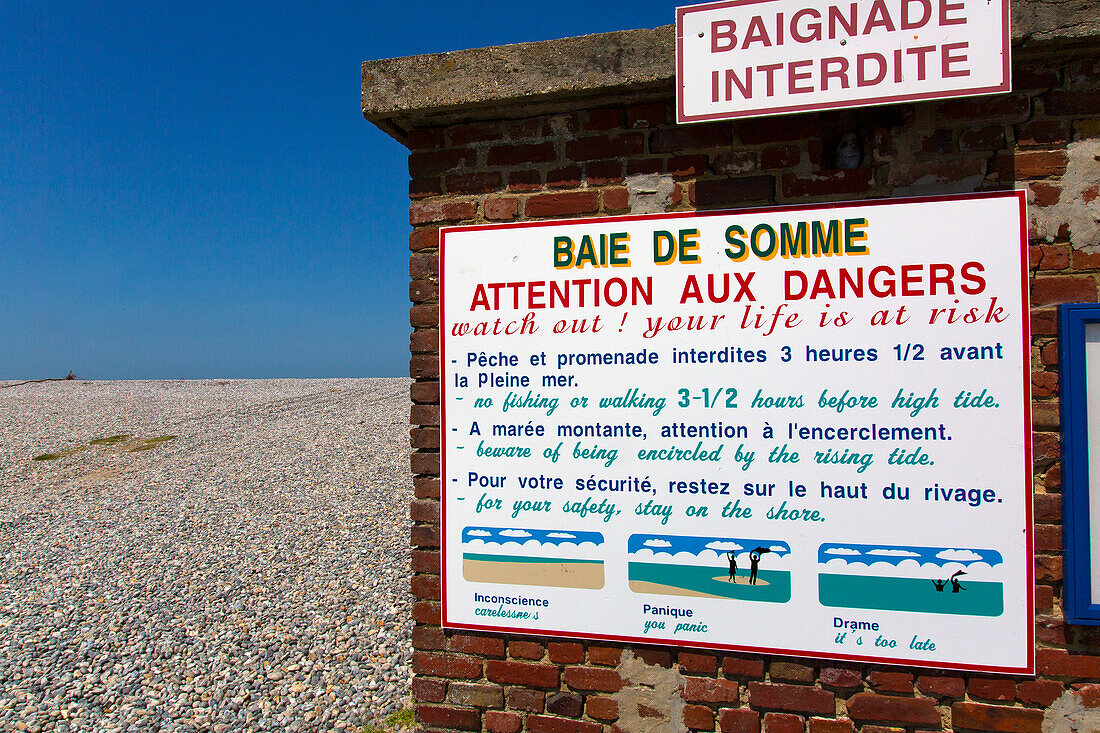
<point x="750" y="58"/>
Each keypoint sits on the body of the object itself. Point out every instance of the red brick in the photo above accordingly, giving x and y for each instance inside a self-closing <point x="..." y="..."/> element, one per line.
<point x="562" y="204"/>
<point x="1048" y="568"/>
<point x="692" y="137"/>
<point x="422" y="290"/>
<point x="784" y="723"/>
<point x="428" y="690"/>
<point x="439" y="161"/>
<point x="828" y="183"/>
<point x="777" y="129"/>
<point x="522" y="154"/>
<point x="1062" y="289"/>
<point x="941" y="686"/>
<point x="605" y="655"/>
<point x="973" y="716"/>
<point x="602" y="172"/>
<point x="1033" y="76"/>
<point x="997" y="107"/>
<point x="791" y="697"/>
<point x="1086" y="260"/>
<point x="646" y="115"/>
<point x="567" y="177"/>
<point x="891" y="682"/>
<point x="426" y="488"/>
<point x="546" y="724"/>
<point x="452" y="666"/>
<point x="693" y="663"/>
<point x="565" y="703"/>
<point x="1059" y="663"/>
<point x="738" y="720"/>
<point x="424" y="342"/>
<point x="948" y="170"/>
<point x="992" y="688"/>
<point x="522" y="673"/>
<point x="524" y="181"/>
<point x="478" y="695"/>
<point x="449" y="717"/>
<point x="937" y="142"/>
<point x="423" y="238"/>
<point x="1039" y="163"/>
<point x="426" y="612"/>
<point x="1072" y="103"/>
<point x="424" y="366"/>
<point x="565" y="652"/>
<point x="497" y="721"/>
<point x="1089" y="695"/>
<point x="635" y="166"/>
<point x="1053" y="256"/>
<point x="529" y="701"/>
<point x="1048" y="508"/>
<point x="593" y="678"/>
<point x="426" y="587"/>
<point x="1049" y="630"/>
<point x="525" y="649"/>
<point x="601" y="708"/>
<point x="1042" y="132"/>
<point x="616" y="199"/>
<point x="425" y="187"/>
<point x="734" y="162"/>
<point x="723" y="192"/>
<point x="990" y="137"/>
<point x="423" y="265"/>
<point x="910" y="711"/>
<point x="424" y="392"/>
<point x="424" y="437"/>
<point x="424" y="414"/>
<point x="779" y="156"/>
<point x="1046" y="449"/>
<point x="423" y="212"/>
<point x="425" y="536"/>
<point x="605" y="146"/>
<point x="425" y="138"/>
<point x="842" y="677"/>
<point x="830" y="725"/>
<point x="658" y="657"/>
<point x="1048" y="538"/>
<point x="1045" y="415"/>
<point x="474" y="132"/>
<point x="705" y="689"/>
<point x="687" y="165"/>
<point x="1039" y="692"/>
<point x="603" y="119"/>
<point x="791" y="672"/>
<point x="425" y="561"/>
<point x="424" y="316"/>
<point x="881" y="729"/>
<point x="501" y="209"/>
<point x="486" y="646"/>
<point x="425" y="463"/>
<point x="1044" y="598"/>
<point x="743" y="667"/>
<point x="698" y="717"/>
<point x="469" y="183"/>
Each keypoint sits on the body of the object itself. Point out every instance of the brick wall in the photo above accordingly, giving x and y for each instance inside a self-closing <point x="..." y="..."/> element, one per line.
<point x="612" y="160"/>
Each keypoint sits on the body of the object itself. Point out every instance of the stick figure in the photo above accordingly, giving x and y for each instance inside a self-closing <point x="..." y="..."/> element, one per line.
<point x="754" y="559"/>
<point x="733" y="566"/>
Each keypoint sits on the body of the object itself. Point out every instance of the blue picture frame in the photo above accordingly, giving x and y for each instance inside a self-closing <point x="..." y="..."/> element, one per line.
<point x="1074" y="322"/>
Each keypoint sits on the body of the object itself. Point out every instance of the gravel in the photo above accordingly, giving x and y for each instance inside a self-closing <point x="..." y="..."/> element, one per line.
<point x="249" y="574"/>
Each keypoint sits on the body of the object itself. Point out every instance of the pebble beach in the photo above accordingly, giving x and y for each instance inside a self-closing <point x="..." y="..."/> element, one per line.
<point x="204" y="555"/>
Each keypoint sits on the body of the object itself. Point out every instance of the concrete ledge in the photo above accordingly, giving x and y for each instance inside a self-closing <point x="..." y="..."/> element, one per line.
<point x="528" y="79"/>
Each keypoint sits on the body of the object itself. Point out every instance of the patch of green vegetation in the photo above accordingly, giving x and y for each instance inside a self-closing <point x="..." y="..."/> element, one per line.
<point x="109" y="441"/>
<point x="161" y="439"/>
<point x="47" y="457"/>
<point x="150" y="443"/>
<point x="402" y="718"/>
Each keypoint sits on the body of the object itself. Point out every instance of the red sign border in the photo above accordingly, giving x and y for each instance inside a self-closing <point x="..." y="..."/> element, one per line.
<point x="1021" y="198"/>
<point x="682" y="118"/>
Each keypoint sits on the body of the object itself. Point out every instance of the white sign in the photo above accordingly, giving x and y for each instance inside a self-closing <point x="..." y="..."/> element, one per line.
<point x="787" y="430"/>
<point x="746" y="58"/>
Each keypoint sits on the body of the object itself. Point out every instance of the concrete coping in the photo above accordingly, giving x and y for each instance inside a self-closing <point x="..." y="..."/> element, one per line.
<point x="544" y="77"/>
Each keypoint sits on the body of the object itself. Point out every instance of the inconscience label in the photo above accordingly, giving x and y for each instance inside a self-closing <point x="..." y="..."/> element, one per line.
<point x="788" y="430"/>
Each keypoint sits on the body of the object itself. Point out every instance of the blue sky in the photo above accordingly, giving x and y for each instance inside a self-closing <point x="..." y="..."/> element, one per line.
<point x="189" y="190"/>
